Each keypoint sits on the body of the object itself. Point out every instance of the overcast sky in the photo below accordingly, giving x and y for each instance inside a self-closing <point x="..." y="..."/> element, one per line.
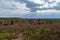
<point x="30" y="8"/>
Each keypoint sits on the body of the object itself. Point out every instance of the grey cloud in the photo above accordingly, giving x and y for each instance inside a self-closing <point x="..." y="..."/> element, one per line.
<point x="29" y="4"/>
<point x="8" y="7"/>
<point x="22" y="1"/>
<point x="32" y="6"/>
<point x="49" y="1"/>
<point x="7" y="4"/>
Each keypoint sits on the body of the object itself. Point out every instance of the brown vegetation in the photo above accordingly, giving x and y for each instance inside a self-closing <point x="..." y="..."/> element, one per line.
<point x="31" y="29"/>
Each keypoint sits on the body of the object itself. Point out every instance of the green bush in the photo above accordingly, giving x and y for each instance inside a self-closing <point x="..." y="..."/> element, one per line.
<point x="7" y="35"/>
<point x="40" y="34"/>
<point x="4" y="23"/>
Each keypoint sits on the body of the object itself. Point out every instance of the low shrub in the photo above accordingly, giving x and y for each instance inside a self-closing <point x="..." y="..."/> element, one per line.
<point x="40" y="34"/>
<point x="7" y="35"/>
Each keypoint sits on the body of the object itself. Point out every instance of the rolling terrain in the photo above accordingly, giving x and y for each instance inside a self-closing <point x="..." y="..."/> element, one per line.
<point x="29" y="29"/>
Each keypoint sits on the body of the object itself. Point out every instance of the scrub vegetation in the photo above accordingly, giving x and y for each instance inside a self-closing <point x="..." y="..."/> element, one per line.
<point x="29" y="29"/>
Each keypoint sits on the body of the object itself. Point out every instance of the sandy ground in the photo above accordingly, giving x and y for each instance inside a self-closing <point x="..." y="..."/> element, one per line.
<point x="19" y="37"/>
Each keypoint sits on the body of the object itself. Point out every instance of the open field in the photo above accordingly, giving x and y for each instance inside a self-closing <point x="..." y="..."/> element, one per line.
<point x="29" y="29"/>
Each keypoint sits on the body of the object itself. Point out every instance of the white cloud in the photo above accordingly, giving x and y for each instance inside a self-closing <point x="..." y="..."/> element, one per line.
<point x="38" y="1"/>
<point x="17" y="7"/>
<point x="46" y="11"/>
<point x="21" y="9"/>
<point x="11" y="4"/>
<point x="47" y="4"/>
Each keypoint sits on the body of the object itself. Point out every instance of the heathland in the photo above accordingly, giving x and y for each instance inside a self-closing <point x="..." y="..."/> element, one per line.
<point x="29" y="29"/>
